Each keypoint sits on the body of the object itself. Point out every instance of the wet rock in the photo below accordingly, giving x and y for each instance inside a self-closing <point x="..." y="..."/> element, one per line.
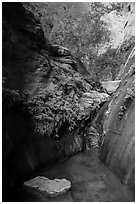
<point x="52" y="188"/>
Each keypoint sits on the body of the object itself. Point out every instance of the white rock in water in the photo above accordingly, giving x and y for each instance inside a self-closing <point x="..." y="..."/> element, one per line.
<point x="51" y="187"/>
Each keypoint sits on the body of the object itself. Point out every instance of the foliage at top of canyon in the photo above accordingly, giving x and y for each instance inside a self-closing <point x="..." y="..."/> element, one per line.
<point x="92" y="31"/>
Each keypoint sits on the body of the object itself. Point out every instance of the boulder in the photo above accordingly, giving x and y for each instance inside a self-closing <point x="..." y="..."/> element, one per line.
<point x="110" y="86"/>
<point x="52" y="188"/>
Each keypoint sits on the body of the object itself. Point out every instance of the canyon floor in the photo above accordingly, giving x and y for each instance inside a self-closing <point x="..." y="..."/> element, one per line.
<point x="91" y="181"/>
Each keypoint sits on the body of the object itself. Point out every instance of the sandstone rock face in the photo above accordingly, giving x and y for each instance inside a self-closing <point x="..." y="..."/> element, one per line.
<point x="115" y="123"/>
<point x="52" y="188"/>
<point x="118" y="149"/>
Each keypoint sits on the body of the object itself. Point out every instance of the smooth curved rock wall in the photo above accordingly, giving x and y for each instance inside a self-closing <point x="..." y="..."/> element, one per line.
<point x="118" y="150"/>
<point x="118" y="130"/>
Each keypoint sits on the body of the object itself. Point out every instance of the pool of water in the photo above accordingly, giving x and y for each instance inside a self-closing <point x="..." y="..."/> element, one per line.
<point x="91" y="181"/>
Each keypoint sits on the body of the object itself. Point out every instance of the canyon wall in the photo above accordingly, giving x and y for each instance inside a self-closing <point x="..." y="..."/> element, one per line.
<point x="43" y="111"/>
<point x="115" y="124"/>
<point x="48" y="101"/>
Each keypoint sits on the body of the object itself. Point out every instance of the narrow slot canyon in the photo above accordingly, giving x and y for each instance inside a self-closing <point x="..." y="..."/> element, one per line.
<point x="68" y="102"/>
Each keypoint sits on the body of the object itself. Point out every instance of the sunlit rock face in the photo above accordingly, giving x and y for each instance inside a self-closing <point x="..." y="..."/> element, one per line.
<point x="121" y="26"/>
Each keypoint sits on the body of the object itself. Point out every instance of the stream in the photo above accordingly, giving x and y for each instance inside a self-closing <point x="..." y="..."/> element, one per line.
<point x="91" y="181"/>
